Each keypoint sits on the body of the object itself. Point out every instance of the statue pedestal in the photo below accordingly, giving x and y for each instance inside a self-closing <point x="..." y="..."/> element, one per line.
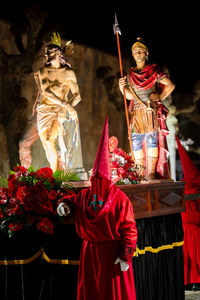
<point x="156" y="198"/>
<point x="80" y="184"/>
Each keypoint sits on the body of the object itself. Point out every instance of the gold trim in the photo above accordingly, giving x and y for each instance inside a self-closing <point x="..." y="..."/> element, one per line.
<point x="59" y="261"/>
<point x="156" y="250"/>
<point x="21" y="261"/>
<point x="76" y="262"/>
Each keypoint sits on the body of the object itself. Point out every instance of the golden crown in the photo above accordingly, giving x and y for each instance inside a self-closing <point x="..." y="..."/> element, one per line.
<point x="56" y="39"/>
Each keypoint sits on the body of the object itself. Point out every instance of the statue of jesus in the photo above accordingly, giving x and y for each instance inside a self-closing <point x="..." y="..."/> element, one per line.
<point x="56" y="116"/>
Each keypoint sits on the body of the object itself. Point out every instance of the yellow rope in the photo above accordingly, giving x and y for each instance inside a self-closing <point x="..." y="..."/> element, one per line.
<point x="59" y="261"/>
<point x="21" y="261"/>
<point x="42" y="254"/>
<point x="158" y="249"/>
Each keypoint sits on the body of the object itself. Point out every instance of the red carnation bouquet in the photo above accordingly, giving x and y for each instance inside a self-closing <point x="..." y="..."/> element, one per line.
<point x="29" y="198"/>
<point x="123" y="169"/>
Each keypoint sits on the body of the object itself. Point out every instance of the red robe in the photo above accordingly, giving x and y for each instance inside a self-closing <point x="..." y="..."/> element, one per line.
<point x="190" y="218"/>
<point x="107" y="226"/>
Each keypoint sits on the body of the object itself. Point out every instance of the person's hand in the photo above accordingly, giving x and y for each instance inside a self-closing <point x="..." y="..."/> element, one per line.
<point x="63" y="209"/>
<point x="154" y="97"/>
<point x="122" y="82"/>
<point x="124" y="266"/>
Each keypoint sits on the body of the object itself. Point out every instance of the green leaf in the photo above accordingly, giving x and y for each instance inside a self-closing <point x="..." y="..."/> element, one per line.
<point x="31" y="169"/>
<point x="3" y="182"/>
<point x="65" y="176"/>
<point x="47" y="184"/>
<point x="120" y="182"/>
<point x="10" y="233"/>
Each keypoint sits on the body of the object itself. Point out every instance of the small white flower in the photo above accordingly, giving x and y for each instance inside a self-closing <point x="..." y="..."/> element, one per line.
<point x="126" y="181"/>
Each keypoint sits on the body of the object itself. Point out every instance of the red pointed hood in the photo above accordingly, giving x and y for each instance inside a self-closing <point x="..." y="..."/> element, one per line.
<point x="102" y="187"/>
<point x="102" y="161"/>
<point x="190" y="171"/>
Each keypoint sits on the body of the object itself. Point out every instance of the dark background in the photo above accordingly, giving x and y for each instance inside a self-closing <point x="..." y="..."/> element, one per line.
<point x="170" y="29"/>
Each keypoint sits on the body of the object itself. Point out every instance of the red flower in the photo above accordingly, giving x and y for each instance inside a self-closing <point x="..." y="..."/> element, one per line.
<point x="45" y="225"/>
<point x="114" y="164"/>
<point x="11" y="177"/>
<point x="31" y="219"/>
<point x="1" y="214"/>
<point x="23" y="194"/>
<point x="30" y="196"/>
<point x="122" y="172"/>
<point x="11" y="209"/>
<point x="116" y="179"/>
<point x="3" y="196"/>
<point x="20" y="171"/>
<point x="14" y="201"/>
<point x="32" y="174"/>
<point x="15" y="226"/>
<point x="12" y="186"/>
<point x="19" y="211"/>
<point x="40" y="199"/>
<point x="45" y="173"/>
<point x="132" y="176"/>
<point x="126" y="167"/>
<point x="52" y="195"/>
<point x="44" y="208"/>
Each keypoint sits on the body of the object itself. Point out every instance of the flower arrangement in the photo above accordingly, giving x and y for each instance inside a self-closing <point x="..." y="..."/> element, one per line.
<point x="28" y="198"/>
<point x="123" y="169"/>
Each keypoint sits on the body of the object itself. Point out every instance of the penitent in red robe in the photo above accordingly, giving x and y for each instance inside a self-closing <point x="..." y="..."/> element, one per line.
<point x="108" y="231"/>
<point x="190" y="218"/>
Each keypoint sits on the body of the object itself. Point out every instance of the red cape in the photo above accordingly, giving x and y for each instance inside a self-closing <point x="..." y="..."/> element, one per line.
<point x="146" y="78"/>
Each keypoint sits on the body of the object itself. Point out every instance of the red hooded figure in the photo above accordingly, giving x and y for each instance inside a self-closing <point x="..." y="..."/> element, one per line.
<point x="105" y="221"/>
<point x="191" y="218"/>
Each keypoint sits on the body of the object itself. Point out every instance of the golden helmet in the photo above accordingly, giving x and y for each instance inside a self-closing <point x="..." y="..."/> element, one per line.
<point x="139" y="44"/>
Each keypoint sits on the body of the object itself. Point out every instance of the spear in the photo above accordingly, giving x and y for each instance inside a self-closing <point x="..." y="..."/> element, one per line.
<point x="117" y="31"/>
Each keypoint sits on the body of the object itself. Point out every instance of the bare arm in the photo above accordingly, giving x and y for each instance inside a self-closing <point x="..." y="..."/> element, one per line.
<point x="74" y="87"/>
<point x="123" y="87"/>
<point x="168" y="88"/>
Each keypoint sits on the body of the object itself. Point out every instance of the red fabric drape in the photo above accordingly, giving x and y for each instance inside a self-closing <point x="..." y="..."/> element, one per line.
<point x="191" y="218"/>
<point x="191" y="247"/>
<point x="146" y="78"/>
<point x="162" y="168"/>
